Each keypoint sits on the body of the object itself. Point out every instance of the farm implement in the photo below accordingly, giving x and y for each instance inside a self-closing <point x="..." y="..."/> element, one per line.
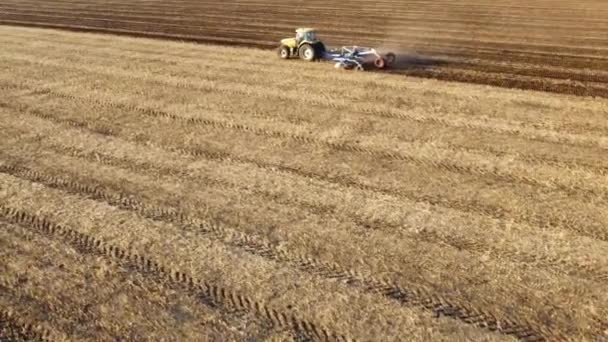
<point x="308" y="47"/>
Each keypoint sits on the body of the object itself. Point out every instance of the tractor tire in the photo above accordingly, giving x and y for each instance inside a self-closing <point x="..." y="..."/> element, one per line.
<point x="283" y="52"/>
<point x="390" y="58"/>
<point x="307" y="52"/>
<point x="319" y="49"/>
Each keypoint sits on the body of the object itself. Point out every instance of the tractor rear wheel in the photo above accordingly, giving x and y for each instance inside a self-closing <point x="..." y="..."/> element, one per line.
<point x="319" y="49"/>
<point x="307" y="52"/>
<point x="283" y="52"/>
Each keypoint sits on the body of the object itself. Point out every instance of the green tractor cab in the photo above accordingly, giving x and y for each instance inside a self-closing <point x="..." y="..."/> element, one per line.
<point x="305" y="45"/>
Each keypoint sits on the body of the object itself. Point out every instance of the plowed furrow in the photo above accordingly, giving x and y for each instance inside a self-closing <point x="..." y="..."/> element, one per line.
<point x="176" y="30"/>
<point x="411" y="296"/>
<point x="251" y="10"/>
<point x="269" y="25"/>
<point x="488" y="8"/>
<point x="180" y="280"/>
<point x="211" y="29"/>
<point x="356" y="28"/>
<point x="507" y="80"/>
<point x="134" y="32"/>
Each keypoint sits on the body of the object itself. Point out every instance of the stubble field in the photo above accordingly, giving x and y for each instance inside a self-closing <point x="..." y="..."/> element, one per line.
<point x="151" y="190"/>
<point x="559" y="46"/>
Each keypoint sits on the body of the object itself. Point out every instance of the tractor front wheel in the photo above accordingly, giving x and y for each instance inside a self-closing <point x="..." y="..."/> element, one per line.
<point x="283" y="52"/>
<point x="307" y="52"/>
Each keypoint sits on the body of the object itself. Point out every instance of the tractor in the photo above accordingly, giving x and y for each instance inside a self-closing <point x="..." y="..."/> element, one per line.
<point x="305" y="45"/>
<point x="308" y="47"/>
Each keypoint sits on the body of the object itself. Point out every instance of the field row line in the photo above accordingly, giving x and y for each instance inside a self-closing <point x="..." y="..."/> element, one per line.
<point x="509" y="81"/>
<point x="139" y="33"/>
<point x="595" y="53"/>
<point x="471" y="245"/>
<point x="137" y="167"/>
<point x="355" y="148"/>
<point x="589" y="77"/>
<point x="459" y="242"/>
<point x="237" y="40"/>
<point x="414" y="296"/>
<point x="193" y="57"/>
<point x="382" y="111"/>
<point x="522" y="69"/>
<point x="460" y="205"/>
<point x="357" y="29"/>
<point x="218" y="35"/>
<point x="280" y="7"/>
<point x="343" y="146"/>
<point x="390" y="4"/>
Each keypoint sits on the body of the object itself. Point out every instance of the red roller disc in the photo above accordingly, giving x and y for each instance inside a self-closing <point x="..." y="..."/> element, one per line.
<point x="379" y="63"/>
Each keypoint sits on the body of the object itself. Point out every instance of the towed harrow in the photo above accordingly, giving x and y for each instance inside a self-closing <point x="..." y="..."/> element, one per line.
<point x="359" y="58"/>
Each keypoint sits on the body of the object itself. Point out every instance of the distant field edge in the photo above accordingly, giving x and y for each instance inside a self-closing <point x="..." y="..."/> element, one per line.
<point x="447" y="75"/>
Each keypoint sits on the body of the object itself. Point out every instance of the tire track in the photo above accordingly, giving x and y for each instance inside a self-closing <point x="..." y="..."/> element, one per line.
<point x="146" y="301"/>
<point x="14" y="328"/>
<point x="31" y="297"/>
<point x="180" y="280"/>
<point x="41" y="300"/>
<point x="469" y="206"/>
<point x="75" y="27"/>
<point x="474" y="246"/>
<point x="411" y="296"/>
